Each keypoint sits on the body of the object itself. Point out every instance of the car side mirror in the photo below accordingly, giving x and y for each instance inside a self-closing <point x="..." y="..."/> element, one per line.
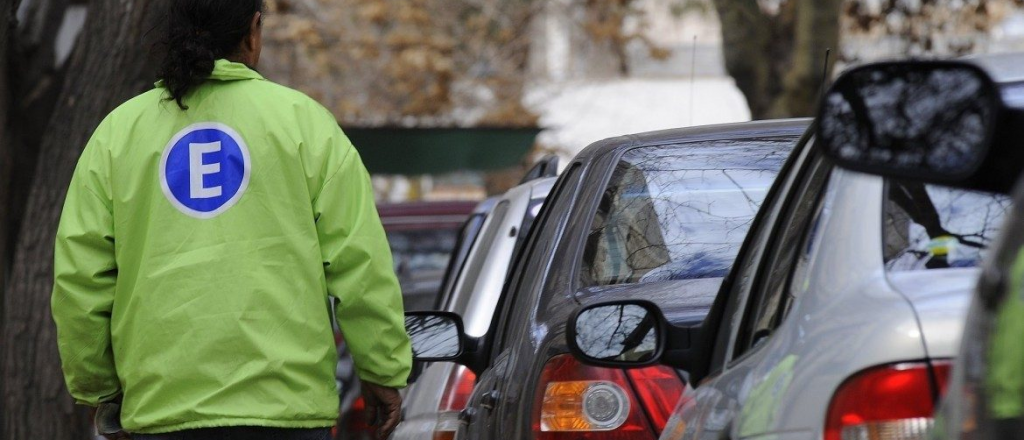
<point x="633" y="334"/>
<point x="626" y="333"/>
<point x="940" y="122"/>
<point x="435" y="336"/>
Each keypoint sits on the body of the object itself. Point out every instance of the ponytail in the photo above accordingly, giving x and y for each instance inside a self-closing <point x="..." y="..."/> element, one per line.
<point x="199" y="32"/>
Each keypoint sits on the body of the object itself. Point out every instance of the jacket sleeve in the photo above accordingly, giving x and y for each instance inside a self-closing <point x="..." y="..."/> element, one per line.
<point x="360" y="273"/>
<point x="85" y="275"/>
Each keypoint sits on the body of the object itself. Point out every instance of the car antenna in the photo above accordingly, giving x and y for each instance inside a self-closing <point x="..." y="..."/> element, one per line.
<point x="824" y="75"/>
<point x="693" y="75"/>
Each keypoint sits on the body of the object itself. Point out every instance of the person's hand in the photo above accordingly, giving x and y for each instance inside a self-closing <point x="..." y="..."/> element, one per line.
<point x="107" y="419"/>
<point x="383" y="408"/>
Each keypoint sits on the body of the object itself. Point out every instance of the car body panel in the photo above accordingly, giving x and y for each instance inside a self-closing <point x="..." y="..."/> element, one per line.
<point x="940" y="299"/>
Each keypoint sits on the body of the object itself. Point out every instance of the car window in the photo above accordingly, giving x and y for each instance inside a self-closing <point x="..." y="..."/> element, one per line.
<point x="528" y="254"/>
<point x="420" y="258"/>
<point x="532" y="211"/>
<point x="802" y="272"/>
<point x="467" y="236"/>
<point x="935" y="227"/>
<point x="677" y="212"/>
<point x="770" y="297"/>
<point x="741" y="281"/>
<point x="464" y="288"/>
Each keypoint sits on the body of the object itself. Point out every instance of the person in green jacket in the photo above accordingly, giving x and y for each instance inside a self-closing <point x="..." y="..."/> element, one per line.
<point x="206" y="227"/>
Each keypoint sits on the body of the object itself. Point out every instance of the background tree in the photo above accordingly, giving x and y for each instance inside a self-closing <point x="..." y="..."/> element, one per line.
<point x="108" y="65"/>
<point x="608" y="22"/>
<point x="408" y="63"/>
<point x="927" y="28"/>
<point x="775" y="51"/>
<point x="7" y="9"/>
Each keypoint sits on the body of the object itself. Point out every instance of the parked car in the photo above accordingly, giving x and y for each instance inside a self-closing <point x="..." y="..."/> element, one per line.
<point x="422" y="236"/>
<point x="845" y="307"/>
<point x="433" y="401"/>
<point x="352" y="424"/>
<point x="656" y="215"/>
<point x="982" y="118"/>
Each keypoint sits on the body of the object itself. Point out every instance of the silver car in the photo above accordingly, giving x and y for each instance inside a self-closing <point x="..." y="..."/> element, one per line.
<point x="433" y="401"/>
<point x="838" y="321"/>
<point x="976" y="106"/>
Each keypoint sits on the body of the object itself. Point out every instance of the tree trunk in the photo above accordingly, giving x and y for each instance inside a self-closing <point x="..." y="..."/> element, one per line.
<point x="746" y="39"/>
<point x="817" y="29"/>
<point x="35" y="84"/>
<point x="777" y="59"/>
<point x="7" y="9"/>
<point x="110" y="63"/>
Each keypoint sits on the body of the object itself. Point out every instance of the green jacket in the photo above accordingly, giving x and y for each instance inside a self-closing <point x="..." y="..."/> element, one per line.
<point x="1005" y="379"/>
<point x="196" y="252"/>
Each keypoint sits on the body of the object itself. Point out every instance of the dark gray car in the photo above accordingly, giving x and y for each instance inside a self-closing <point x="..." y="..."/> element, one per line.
<point x="656" y="215"/>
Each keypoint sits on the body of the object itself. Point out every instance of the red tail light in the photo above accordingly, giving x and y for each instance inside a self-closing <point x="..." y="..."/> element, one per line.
<point x="891" y="402"/>
<point x="457" y="391"/>
<point x="575" y="401"/>
<point x="456" y="396"/>
<point x="659" y="389"/>
<point x="357" y="417"/>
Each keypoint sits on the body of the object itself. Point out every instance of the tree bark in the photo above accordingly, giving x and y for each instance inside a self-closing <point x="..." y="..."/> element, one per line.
<point x="746" y="39"/>
<point x="777" y="59"/>
<point x="7" y="10"/>
<point x="817" y="30"/>
<point x="35" y="83"/>
<point x="110" y="63"/>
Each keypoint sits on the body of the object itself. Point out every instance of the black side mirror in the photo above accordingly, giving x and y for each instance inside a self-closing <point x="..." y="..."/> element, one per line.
<point x="435" y="336"/>
<point x="633" y="334"/>
<point x="932" y="121"/>
<point x="629" y="333"/>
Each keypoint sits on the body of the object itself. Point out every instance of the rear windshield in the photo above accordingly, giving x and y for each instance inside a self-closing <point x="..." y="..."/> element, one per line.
<point x="679" y="212"/>
<point x="935" y="227"/>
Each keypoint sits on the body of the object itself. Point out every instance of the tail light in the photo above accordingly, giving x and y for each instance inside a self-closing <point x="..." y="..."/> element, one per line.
<point x="576" y="401"/>
<point x="659" y="390"/>
<point x="356" y="422"/>
<point x="891" y="402"/>
<point x="455" y="397"/>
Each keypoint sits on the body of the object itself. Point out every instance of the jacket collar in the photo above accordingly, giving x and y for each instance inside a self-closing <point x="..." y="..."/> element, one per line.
<point x="224" y="70"/>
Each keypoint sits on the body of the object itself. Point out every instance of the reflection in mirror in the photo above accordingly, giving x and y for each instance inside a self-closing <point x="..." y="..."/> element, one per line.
<point x="433" y="336"/>
<point x="921" y="119"/>
<point x="620" y="332"/>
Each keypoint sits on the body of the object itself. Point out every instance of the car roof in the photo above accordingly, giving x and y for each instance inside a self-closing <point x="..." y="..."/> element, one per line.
<point x="485" y="206"/>
<point x="1004" y="68"/>
<point x="741" y="130"/>
<point x="424" y="215"/>
<point x="539" y="188"/>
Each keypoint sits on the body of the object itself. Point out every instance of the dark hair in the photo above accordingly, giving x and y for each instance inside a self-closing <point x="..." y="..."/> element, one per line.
<point x="198" y="32"/>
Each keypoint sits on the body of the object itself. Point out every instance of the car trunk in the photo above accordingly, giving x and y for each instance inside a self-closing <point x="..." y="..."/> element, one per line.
<point x="940" y="298"/>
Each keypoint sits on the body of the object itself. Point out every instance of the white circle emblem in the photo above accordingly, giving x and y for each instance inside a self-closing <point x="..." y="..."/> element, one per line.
<point x="205" y="169"/>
